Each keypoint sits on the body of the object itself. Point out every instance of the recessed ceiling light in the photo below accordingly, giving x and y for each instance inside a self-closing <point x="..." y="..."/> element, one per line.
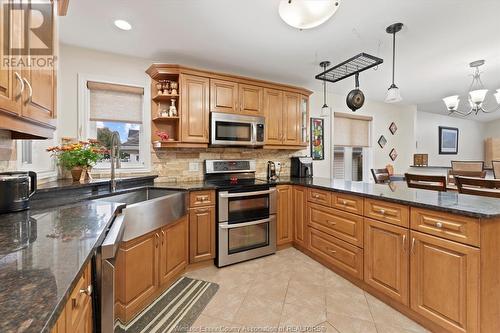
<point x="122" y="24"/>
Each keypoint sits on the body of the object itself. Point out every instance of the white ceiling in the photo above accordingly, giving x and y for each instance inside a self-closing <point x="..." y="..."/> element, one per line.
<point x="248" y="37"/>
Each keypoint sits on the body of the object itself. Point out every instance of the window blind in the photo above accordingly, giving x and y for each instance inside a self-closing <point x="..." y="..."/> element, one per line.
<point x="115" y="102"/>
<point x="351" y="131"/>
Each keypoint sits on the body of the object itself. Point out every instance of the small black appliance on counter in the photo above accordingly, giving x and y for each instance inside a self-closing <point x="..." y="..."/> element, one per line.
<point x="271" y="171"/>
<point x="16" y="188"/>
<point x="302" y="167"/>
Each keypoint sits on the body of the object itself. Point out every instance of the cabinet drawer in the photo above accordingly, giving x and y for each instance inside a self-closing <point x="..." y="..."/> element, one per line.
<point x="454" y="227"/>
<point x="319" y="196"/>
<point x="341" y="254"/>
<point x="349" y="203"/>
<point x="346" y="226"/>
<point x="78" y="301"/>
<point x="201" y="198"/>
<point x="387" y="212"/>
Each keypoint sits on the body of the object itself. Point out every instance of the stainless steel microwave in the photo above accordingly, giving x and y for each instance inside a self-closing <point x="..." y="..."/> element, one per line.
<point x="236" y="130"/>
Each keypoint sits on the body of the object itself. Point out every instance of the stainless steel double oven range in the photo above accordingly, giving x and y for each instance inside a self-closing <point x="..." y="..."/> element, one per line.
<point x="246" y="211"/>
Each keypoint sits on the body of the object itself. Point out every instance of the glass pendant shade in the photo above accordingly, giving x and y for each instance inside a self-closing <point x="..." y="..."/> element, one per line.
<point x="452" y="102"/>
<point x="325" y="111"/>
<point x="393" y="95"/>
<point x="497" y="96"/>
<point x="477" y="96"/>
<point x="307" y="14"/>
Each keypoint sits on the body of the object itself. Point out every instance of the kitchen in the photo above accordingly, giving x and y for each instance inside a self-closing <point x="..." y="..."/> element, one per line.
<point x="232" y="184"/>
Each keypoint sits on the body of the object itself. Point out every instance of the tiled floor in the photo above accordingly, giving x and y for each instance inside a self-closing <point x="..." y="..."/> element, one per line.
<point x="289" y="289"/>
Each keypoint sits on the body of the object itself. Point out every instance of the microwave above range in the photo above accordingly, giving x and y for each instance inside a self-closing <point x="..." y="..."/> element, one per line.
<point x="236" y="130"/>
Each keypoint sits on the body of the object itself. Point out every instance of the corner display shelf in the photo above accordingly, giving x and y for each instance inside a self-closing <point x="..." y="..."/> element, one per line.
<point x="164" y="98"/>
<point x="350" y="67"/>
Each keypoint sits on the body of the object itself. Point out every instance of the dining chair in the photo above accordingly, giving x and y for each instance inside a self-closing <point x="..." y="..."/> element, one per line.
<point x="478" y="186"/>
<point x="496" y="169"/>
<point x="381" y="176"/>
<point x="474" y="174"/>
<point x="426" y="182"/>
<point x="467" y="166"/>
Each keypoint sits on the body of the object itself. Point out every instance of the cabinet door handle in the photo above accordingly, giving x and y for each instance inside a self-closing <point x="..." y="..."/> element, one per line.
<point x="330" y="250"/>
<point x="331" y="222"/>
<point x="87" y="291"/>
<point x="203" y="210"/>
<point x="162" y="237"/>
<point x="344" y="202"/>
<point x="439" y="225"/>
<point x="18" y="77"/>
<point x="30" y="95"/>
<point x="412" y="244"/>
<point x="382" y="211"/>
<point x="157" y="237"/>
<point x="404" y="243"/>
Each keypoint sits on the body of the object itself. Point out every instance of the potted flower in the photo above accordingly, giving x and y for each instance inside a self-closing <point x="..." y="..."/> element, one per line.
<point x="78" y="157"/>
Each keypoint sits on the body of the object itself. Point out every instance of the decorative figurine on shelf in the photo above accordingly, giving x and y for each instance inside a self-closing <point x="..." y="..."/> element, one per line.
<point x="173" y="87"/>
<point x="165" y="87"/>
<point x="162" y="110"/>
<point x="163" y="135"/>
<point x="159" y="87"/>
<point x="172" y="111"/>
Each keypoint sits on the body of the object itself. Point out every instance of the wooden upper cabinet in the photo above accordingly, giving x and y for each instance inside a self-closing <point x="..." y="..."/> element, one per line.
<point x="174" y="250"/>
<point x="285" y="218"/>
<point x="386" y="259"/>
<point x="195" y="108"/>
<point x="444" y="282"/>
<point x="251" y="99"/>
<point x="223" y="96"/>
<point x="201" y="234"/>
<point x="292" y="119"/>
<point x="10" y="78"/>
<point x="273" y="111"/>
<point x="40" y="83"/>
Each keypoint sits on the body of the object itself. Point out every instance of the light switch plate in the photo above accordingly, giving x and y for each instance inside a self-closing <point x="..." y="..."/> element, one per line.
<point x="194" y="166"/>
<point x="278" y="166"/>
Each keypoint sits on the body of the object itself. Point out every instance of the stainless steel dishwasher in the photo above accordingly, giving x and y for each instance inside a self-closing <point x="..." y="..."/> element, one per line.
<point x="105" y="276"/>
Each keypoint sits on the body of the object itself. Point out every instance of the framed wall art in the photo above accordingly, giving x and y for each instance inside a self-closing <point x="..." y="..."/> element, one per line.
<point x="382" y="141"/>
<point x="393" y="128"/>
<point x="448" y="140"/>
<point x="393" y="154"/>
<point x="317" y="139"/>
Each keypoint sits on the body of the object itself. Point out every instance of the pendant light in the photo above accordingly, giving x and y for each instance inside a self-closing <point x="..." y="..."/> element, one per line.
<point x="393" y="93"/>
<point x="325" y="109"/>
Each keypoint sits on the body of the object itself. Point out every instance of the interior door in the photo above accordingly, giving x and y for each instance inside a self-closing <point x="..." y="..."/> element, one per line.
<point x="292" y="119"/>
<point x="251" y="101"/>
<point x="195" y="108"/>
<point x="273" y="110"/>
<point x="40" y="81"/>
<point x="387" y="259"/>
<point x="10" y="78"/>
<point x="223" y="96"/>
<point x="444" y="282"/>
<point x="174" y="250"/>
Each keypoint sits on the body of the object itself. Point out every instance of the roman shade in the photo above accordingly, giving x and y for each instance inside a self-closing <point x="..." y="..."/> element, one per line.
<point x="351" y="131"/>
<point x="115" y="102"/>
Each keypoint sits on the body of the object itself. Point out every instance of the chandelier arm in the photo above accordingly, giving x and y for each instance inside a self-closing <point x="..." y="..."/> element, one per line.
<point x="492" y="110"/>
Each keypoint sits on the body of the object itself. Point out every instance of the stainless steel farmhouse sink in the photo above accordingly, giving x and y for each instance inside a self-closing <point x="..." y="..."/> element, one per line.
<point x="149" y="209"/>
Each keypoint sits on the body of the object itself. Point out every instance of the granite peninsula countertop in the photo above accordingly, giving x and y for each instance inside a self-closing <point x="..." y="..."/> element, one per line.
<point x="42" y="251"/>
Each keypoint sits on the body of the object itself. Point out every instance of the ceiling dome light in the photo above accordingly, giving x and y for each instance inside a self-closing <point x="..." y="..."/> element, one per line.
<point x="123" y="25"/>
<point x="307" y="14"/>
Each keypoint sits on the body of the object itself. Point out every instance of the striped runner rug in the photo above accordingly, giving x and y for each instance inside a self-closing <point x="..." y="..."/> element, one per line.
<point x="175" y="310"/>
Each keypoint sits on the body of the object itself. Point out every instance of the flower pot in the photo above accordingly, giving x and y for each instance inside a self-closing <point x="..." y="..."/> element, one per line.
<point x="81" y="174"/>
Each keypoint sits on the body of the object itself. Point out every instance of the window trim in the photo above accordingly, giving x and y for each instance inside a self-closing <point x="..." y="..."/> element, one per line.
<point x="44" y="174"/>
<point x="84" y="115"/>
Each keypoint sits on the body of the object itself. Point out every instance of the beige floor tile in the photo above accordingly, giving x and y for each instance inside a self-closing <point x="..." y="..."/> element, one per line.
<point x="273" y="288"/>
<point x="224" y="304"/>
<point x="259" y="312"/>
<point x="326" y="327"/>
<point x="346" y="324"/>
<point x="381" y="328"/>
<point x="206" y="323"/>
<point x="384" y="314"/>
<point x="302" y="316"/>
<point x="346" y="303"/>
<point x="305" y="293"/>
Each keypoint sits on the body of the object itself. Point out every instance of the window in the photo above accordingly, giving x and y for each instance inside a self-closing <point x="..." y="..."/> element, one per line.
<point x="32" y="156"/>
<point x="351" y="142"/>
<point x="115" y="107"/>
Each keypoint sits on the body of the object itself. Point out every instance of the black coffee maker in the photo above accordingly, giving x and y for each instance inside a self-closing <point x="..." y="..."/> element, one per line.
<point x="302" y="167"/>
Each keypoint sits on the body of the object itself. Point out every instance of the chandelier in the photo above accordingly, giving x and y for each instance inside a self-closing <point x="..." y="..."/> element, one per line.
<point x="477" y="94"/>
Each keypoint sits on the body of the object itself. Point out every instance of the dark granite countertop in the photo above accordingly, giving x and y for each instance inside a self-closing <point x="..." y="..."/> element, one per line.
<point x="64" y="184"/>
<point x="399" y="192"/>
<point x="41" y="254"/>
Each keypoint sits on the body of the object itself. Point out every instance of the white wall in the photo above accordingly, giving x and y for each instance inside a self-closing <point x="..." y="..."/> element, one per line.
<point x="492" y="129"/>
<point x="74" y="60"/>
<point x="470" y="138"/>
<point x="383" y="114"/>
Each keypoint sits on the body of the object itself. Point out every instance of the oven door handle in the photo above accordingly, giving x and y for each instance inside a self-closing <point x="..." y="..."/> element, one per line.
<point x="226" y="225"/>
<point x="246" y="194"/>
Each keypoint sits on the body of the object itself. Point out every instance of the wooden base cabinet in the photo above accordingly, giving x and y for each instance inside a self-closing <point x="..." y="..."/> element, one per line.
<point x="299" y="199"/>
<point x="147" y="265"/>
<point x="202" y="234"/>
<point x="444" y="282"/>
<point x="284" y="230"/>
<point x="386" y="259"/>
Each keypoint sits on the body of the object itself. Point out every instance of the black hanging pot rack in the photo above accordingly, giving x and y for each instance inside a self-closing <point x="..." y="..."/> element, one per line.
<point x="350" y="67"/>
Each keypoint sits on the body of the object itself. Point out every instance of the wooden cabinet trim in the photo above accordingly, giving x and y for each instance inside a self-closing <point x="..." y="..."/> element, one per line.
<point x="450" y="226"/>
<point x="387" y="212"/>
<point x="299" y="201"/>
<point x="347" y="202"/>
